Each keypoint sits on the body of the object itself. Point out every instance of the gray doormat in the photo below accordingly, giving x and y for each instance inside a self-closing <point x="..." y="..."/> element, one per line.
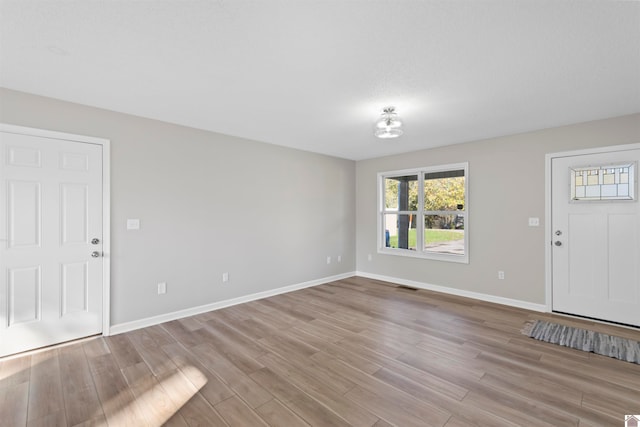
<point x="585" y="340"/>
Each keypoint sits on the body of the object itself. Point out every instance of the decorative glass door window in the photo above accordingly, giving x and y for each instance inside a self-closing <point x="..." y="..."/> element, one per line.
<point x="606" y="182"/>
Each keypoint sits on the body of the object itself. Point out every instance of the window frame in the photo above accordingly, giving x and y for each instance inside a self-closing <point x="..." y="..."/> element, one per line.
<point x="419" y="252"/>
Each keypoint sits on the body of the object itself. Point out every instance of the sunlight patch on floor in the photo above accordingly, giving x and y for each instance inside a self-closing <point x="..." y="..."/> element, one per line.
<point x="156" y="399"/>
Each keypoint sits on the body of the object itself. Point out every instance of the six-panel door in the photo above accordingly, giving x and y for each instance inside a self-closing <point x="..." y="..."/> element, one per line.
<point x="50" y="225"/>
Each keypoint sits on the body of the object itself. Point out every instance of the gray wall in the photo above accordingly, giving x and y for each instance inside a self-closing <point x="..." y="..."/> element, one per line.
<point x="506" y="187"/>
<point x="208" y="204"/>
<point x="270" y="216"/>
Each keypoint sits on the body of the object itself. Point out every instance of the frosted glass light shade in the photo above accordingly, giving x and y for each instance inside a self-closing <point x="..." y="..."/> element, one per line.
<point x="388" y="133"/>
<point x="390" y="122"/>
<point x="389" y="125"/>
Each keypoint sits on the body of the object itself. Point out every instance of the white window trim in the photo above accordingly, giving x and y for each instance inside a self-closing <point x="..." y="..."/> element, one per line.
<point x="419" y="252"/>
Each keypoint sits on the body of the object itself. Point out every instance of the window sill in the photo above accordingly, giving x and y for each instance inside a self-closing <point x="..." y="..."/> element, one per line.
<point x="461" y="259"/>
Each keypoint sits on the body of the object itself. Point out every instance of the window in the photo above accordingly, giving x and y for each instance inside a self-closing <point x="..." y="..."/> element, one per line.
<point x="609" y="182"/>
<point x="423" y="213"/>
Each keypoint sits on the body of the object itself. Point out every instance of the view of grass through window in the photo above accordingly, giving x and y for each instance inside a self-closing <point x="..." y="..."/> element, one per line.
<point x="430" y="236"/>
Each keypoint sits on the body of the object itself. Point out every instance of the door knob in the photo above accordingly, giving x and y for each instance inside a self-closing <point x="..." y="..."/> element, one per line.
<point x="95" y="241"/>
<point x="557" y="243"/>
<point x="95" y="254"/>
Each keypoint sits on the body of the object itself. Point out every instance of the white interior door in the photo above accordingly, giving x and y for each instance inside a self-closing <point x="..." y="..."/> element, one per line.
<point x="596" y="235"/>
<point x="51" y="278"/>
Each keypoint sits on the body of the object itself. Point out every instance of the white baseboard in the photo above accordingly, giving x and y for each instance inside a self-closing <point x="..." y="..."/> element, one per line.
<point x="459" y="292"/>
<point x="150" y="321"/>
<point x="167" y="317"/>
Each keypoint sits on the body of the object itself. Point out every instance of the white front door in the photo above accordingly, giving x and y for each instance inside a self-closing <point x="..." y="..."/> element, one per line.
<point x="595" y="225"/>
<point x="51" y="277"/>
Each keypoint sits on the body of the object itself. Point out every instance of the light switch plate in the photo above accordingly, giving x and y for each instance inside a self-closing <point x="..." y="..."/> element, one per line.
<point x="133" y="224"/>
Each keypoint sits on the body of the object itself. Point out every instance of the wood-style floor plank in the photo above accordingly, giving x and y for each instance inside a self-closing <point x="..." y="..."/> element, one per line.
<point x="55" y="419"/>
<point x="202" y="380"/>
<point x="151" y="352"/>
<point x="354" y="352"/>
<point x="123" y="350"/>
<point x="315" y="413"/>
<point x="155" y="403"/>
<point x="233" y="376"/>
<point x="15" y="371"/>
<point x="276" y="414"/>
<point x="81" y="399"/>
<point x="118" y="402"/>
<point x="198" y="413"/>
<point x="14" y="404"/>
<point x="237" y="414"/>
<point x="319" y="391"/>
<point x="45" y="388"/>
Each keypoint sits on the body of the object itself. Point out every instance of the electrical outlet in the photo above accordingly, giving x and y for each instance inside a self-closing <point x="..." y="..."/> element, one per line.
<point x="339" y="258"/>
<point x="162" y="288"/>
<point x="501" y="275"/>
<point x="534" y="222"/>
<point x="225" y="277"/>
<point x="328" y="260"/>
<point x="369" y="258"/>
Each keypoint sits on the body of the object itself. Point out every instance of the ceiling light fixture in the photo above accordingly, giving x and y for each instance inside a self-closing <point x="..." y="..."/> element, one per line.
<point x="389" y="125"/>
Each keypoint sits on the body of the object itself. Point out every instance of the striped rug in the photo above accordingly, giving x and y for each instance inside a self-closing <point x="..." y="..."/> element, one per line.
<point x="585" y="340"/>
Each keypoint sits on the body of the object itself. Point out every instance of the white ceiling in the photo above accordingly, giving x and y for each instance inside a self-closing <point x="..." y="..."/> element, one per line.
<point x="314" y="74"/>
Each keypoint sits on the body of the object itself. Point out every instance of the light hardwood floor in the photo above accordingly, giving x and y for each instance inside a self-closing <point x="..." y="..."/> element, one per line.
<point x="353" y="352"/>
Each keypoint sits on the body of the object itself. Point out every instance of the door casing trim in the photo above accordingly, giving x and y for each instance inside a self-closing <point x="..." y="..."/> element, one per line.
<point x="548" y="256"/>
<point x="106" y="204"/>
